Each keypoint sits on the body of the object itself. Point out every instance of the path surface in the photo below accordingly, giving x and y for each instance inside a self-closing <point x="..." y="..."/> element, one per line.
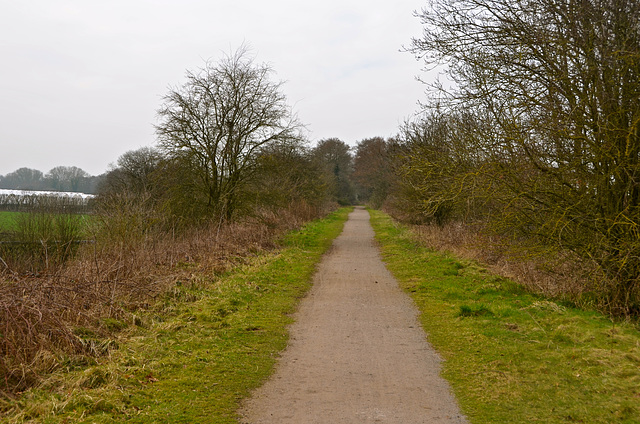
<point x="357" y="353"/>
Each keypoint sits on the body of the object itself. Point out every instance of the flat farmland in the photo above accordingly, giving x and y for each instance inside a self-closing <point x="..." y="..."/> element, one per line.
<point x="8" y="221"/>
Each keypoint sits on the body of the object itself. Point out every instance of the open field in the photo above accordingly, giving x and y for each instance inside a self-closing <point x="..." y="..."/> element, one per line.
<point x="510" y="356"/>
<point x="8" y="221"/>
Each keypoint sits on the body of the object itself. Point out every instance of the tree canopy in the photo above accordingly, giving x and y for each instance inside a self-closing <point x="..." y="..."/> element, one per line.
<point x="544" y="105"/>
<point x="216" y="124"/>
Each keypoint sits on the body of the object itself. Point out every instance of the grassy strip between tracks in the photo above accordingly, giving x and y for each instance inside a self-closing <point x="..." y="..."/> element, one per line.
<point x="510" y="356"/>
<point x="198" y="353"/>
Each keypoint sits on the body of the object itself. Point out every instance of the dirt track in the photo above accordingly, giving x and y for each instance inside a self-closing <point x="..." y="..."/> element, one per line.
<point x="357" y="353"/>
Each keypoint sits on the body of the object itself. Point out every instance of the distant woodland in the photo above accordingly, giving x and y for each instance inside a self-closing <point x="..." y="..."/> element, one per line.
<point x="60" y="178"/>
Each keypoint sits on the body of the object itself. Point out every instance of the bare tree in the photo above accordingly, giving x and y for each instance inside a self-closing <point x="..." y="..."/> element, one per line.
<point x="217" y="122"/>
<point x="133" y="172"/>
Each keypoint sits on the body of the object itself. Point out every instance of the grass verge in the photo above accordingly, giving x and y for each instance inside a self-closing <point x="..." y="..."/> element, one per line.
<point x="194" y="356"/>
<point x="510" y="356"/>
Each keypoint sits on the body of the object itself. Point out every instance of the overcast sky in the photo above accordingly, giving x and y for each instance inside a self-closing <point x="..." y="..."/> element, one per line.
<point x="81" y="80"/>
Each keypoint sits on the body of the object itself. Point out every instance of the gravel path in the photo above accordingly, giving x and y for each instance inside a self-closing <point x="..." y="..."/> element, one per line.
<point x="357" y="353"/>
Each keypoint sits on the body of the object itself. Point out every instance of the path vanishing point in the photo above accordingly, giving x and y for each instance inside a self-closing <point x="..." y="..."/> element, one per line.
<point x="357" y="353"/>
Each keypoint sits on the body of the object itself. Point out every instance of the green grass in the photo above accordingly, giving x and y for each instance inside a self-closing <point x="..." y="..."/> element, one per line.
<point x="7" y="221"/>
<point x="513" y="357"/>
<point x="198" y="353"/>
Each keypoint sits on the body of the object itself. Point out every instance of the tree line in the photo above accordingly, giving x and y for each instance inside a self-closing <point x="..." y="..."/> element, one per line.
<point x="535" y="132"/>
<point x="59" y="178"/>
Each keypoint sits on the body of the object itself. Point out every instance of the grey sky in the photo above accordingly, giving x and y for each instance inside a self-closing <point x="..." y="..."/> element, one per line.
<point x="81" y="80"/>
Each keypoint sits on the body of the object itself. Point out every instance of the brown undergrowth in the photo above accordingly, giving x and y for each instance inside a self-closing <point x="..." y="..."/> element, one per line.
<point x="66" y="315"/>
<point x="554" y="274"/>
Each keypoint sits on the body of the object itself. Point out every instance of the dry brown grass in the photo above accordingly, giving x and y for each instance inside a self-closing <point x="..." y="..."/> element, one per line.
<point x="69" y="312"/>
<point x="551" y="273"/>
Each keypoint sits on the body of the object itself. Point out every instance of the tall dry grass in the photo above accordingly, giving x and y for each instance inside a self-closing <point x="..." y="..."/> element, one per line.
<point x="551" y="273"/>
<point x="71" y="310"/>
